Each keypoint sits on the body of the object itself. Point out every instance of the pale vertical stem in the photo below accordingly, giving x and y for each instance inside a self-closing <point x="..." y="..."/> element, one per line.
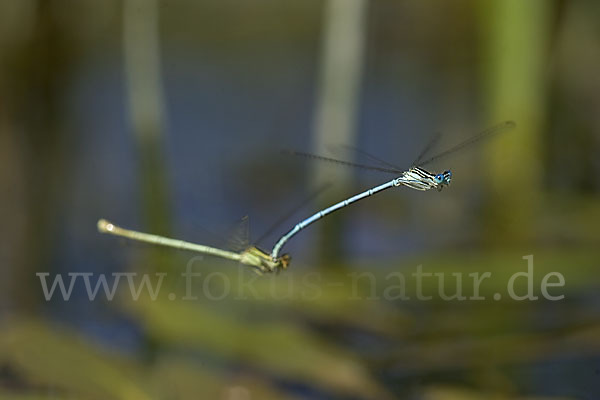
<point x="340" y="70"/>
<point x="516" y="69"/>
<point x="341" y="66"/>
<point x="144" y="87"/>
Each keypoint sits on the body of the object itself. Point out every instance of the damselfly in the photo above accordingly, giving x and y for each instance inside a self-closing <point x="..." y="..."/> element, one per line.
<point x="415" y="177"/>
<point x="250" y="255"/>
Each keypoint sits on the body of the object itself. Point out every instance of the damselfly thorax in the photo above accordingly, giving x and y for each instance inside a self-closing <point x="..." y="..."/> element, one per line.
<point x="258" y="258"/>
<point x="421" y="179"/>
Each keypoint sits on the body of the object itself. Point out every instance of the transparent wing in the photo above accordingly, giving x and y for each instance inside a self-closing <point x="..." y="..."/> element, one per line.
<point x="492" y="131"/>
<point x="342" y="162"/>
<point x="311" y="196"/>
<point x="420" y="161"/>
<point x="430" y="144"/>
<point x="239" y="236"/>
<point x="356" y="150"/>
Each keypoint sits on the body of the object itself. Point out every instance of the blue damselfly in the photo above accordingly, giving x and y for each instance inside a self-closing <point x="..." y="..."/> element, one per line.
<point x="416" y="177"/>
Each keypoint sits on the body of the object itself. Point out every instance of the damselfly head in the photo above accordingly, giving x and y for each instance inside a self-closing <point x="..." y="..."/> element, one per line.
<point x="285" y="260"/>
<point x="443" y="178"/>
<point x="447" y="177"/>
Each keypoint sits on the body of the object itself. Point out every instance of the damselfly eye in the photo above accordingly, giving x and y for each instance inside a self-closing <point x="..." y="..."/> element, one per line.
<point x="439" y="177"/>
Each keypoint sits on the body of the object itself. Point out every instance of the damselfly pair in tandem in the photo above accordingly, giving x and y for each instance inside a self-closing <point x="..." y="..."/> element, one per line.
<point x="415" y="177"/>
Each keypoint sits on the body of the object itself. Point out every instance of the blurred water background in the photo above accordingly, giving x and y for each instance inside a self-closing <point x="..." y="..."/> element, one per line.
<point x="170" y="117"/>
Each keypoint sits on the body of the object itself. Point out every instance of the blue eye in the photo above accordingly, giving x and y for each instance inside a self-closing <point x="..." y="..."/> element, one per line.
<point x="439" y="177"/>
